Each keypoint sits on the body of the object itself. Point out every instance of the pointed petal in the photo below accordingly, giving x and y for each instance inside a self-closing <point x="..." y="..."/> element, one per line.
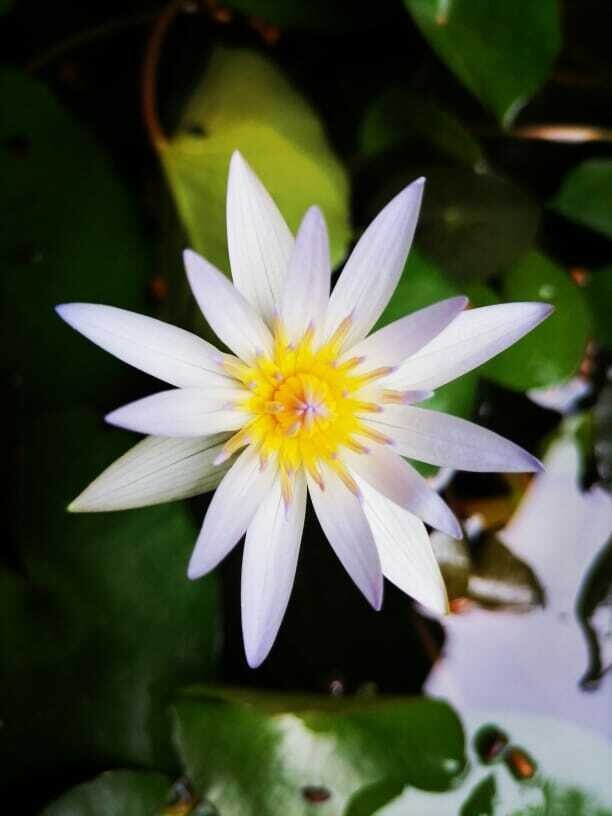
<point x="156" y="470"/>
<point x="230" y="316"/>
<point x="164" y="351"/>
<point x="405" y="550"/>
<point x="258" y="239"/>
<point x="305" y="293"/>
<point x="470" y="340"/>
<point x="231" y="510"/>
<point x="398" y="481"/>
<point x="392" y="344"/>
<point x="445" y="440"/>
<point x="375" y="265"/>
<point x="183" y="412"/>
<point x="268" y="567"/>
<point x="344" y="523"/>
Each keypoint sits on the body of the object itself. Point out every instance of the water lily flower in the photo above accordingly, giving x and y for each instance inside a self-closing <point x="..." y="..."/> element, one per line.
<point x="306" y="403"/>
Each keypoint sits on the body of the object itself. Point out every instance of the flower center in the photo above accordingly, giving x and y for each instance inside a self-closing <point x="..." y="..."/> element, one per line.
<point x="305" y="405"/>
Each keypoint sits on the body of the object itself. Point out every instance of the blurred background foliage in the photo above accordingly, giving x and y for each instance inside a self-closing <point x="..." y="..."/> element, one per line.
<point x="117" y="120"/>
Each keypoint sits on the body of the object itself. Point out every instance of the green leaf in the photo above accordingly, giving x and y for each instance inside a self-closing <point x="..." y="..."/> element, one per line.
<point x="70" y="232"/>
<point x="552" y="352"/>
<point x="586" y="195"/>
<point x="371" y="798"/>
<point x="317" y="15"/>
<point x="421" y="284"/>
<point x="481" y="800"/>
<point x="115" y="793"/>
<point x="243" y="102"/>
<point x="503" y="52"/>
<point x="104" y="624"/>
<point x="401" y="118"/>
<point x="476" y="226"/>
<point x="276" y="756"/>
<point x="599" y="295"/>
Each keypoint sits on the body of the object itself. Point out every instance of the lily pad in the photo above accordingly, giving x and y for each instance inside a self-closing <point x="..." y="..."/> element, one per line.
<point x="401" y="118"/>
<point x="476" y="226"/>
<point x="115" y="793"/>
<point x="502" y="52"/>
<point x="244" y="102"/>
<point x="586" y="195"/>
<point x="103" y="624"/>
<point x="70" y="232"/>
<point x="268" y="756"/>
<point x="553" y="351"/>
<point x="423" y="283"/>
<point x="599" y="295"/>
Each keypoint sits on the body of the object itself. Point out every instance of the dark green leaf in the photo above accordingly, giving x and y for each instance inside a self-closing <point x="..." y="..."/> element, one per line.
<point x="553" y="351"/>
<point x="586" y="195"/>
<point x="248" y="760"/>
<point x="599" y="295"/>
<point x="401" y="118"/>
<point x="481" y="801"/>
<point x="70" y="232"/>
<point x="503" y="52"/>
<point x="115" y="793"/>
<point x="339" y="17"/>
<point x="105" y="623"/>
<point x="476" y="226"/>
<point x="370" y="799"/>
<point x="243" y="102"/>
<point x="421" y="284"/>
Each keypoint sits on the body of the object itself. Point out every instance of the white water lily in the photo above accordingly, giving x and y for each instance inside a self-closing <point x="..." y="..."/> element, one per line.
<point x="307" y="403"/>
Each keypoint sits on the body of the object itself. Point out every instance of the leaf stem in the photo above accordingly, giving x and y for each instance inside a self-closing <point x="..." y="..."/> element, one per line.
<point x="159" y="30"/>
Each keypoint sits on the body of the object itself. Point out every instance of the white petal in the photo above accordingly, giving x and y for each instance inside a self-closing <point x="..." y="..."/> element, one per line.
<point x="392" y="344"/>
<point x="156" y="470"/>
<point x="375" y="265"/>
<point x="183" y="412"/>
<point x="228" y="313"/>
<point x="344" y="523"/>
<point x="405" y="550"/>
<point x="470" y="340"/>
<point x="258" y="239"/>
<point x="305" y="293"/>
<point x="268" y="568"/>
<point x="445" y="440"/>
<point x="164" y="351"/>
<point x="231" y="510"/>
<point x="400" y="482"/>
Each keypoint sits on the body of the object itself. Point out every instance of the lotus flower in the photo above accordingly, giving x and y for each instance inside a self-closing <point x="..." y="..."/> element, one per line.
<point x="307" y="402"/>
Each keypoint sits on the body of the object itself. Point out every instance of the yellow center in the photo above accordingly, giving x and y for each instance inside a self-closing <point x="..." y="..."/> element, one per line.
<point x="305" y="405"/>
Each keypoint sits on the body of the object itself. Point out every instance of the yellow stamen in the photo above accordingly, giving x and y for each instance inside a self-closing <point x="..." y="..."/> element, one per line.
<point x="304" y="407"/>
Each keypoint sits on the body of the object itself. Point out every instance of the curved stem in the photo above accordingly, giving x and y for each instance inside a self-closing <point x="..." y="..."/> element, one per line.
<point x="160" y="28"/>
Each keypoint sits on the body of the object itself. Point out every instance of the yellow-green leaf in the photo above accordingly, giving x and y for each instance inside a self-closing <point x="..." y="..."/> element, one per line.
<point x="244" y="102"/>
